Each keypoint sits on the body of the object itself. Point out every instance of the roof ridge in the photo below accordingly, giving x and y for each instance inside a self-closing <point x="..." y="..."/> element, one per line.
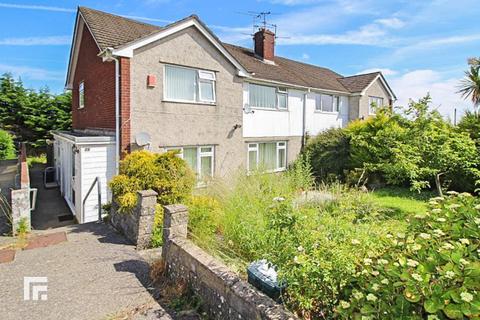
<point x="362" y="74"/>
<point x="80" y="8"/>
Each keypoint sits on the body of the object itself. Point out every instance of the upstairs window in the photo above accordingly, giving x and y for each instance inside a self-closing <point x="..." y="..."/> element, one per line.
<point x="327" y="103"/>
<point x="81" y="95"/>
<point x="373" y="103"/>
<point x="189" y="85"/>
<point x="267" y="97"/>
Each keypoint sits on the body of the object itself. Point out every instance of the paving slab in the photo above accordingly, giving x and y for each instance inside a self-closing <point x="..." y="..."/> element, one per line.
<point x="46" y="240"/>
<point x="7" y="255"/>
<point x="94" y="275"/>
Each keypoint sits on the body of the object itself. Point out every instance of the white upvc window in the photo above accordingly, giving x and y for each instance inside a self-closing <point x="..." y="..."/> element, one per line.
<point x="269" y="156"/>
<point x="373" y="103"/>
<point x="81" y="95"/>
<point x="327" y="103"/>
<point x="185" y="84"/>
<point x="199" y="158"/>
<point x="267" y="97"/>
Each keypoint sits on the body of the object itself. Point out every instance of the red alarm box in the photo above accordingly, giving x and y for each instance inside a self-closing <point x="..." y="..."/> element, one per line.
<point x="151" y="81"/>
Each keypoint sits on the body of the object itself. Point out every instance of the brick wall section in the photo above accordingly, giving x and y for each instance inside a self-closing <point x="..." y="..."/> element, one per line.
<point x="99" y="82"/>
<point x="265" y="44"/>
<point x="124" y="105"/>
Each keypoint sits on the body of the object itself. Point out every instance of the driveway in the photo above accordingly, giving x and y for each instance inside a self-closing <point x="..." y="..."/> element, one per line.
<point x="95" y="274"/>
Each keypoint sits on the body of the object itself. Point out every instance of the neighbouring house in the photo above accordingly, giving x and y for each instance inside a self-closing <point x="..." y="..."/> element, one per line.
<point x="223" y="107"/>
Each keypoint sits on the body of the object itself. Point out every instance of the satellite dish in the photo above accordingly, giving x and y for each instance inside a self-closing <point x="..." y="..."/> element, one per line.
<point x="247" y="109"/>
<point x="142" y="139"/>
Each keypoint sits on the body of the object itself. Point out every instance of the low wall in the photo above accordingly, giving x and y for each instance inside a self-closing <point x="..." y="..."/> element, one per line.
<point x="20" y="196"/>
<point x="137" y="225"/>
<point x="225" y="295"/>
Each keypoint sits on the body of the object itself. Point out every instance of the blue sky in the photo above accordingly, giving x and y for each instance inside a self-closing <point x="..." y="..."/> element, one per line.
<point x="421" y="46"/>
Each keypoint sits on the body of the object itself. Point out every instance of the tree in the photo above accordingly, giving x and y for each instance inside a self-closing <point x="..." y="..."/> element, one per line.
<point x="470" y="85"/>
<point x="7" y="148"/>
<point x="31" y="115"/>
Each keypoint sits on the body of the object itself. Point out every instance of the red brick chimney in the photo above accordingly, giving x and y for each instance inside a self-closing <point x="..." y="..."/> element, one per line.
<point x="265" y="44"/>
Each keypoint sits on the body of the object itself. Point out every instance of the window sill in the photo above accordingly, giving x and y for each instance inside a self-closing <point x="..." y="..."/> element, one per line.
<point x="326" y="112"/>
<point x="270" y="109"/>
<point x="190" y="102"/>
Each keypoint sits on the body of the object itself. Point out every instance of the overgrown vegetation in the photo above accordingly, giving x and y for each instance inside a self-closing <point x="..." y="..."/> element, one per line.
<point x="164" y="173"/>
<point x="30" y="115"/>
<point x="413" y="147"/>
<point x="7" y="147"/>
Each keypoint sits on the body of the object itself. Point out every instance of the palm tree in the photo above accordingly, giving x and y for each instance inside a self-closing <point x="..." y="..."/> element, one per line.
<point x="470" y="85"/>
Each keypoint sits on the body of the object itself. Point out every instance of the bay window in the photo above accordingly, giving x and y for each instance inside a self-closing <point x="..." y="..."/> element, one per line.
<point x="199" y="159"/>
<point x="269" y="156"/>
<point x="189" y="85"/>
<point x="267" y="97"/>
<point x="327" y="103"/>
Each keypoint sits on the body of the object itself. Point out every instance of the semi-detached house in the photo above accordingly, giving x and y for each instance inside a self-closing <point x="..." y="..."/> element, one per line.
<point x="223" y="107"/>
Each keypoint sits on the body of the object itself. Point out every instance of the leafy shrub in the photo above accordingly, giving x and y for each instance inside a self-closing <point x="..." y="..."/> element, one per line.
<point x="164" y="173"/>
<point x="432" y="269"/>
<point x="7" y="148"/>
<point x="204" y="214"/>
<point x="470" y="123"/>
<point x="329" y="153"/>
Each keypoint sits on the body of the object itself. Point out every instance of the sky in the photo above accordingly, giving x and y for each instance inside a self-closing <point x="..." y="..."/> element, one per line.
<point x="420" y="46"/>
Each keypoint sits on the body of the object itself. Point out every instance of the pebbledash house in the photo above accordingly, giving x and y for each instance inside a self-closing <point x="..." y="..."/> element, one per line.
<point x="223" y="107"/>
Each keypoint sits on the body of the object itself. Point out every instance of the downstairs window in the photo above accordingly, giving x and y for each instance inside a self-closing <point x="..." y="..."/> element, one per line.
<point x="269" y="156"/>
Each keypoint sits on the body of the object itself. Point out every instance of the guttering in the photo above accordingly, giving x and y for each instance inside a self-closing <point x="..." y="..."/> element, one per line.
<point x="304" y="118"/>
<point x="107" y="55"/>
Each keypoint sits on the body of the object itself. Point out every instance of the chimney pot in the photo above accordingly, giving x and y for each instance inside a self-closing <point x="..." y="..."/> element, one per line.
<point x="264" y="41"/>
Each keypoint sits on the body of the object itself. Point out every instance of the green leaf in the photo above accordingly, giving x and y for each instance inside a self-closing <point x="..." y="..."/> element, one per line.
<point x="432" y="305"/>
<point x="453" y="311"/>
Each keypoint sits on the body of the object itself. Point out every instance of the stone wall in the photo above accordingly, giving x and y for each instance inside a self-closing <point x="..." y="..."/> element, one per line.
<point x="20" y="196"/>
<point x="137" y="225"/>
<point x="223" y="293"/>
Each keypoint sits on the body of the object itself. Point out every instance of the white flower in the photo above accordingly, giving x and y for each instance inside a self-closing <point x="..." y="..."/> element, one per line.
<point x="401" y="235"/>
<point x="385" y="281"/>
<point x="463" y="261"/>
<point x="355" y="242"/>
<point x="412" y="263"/>
<point x="375" y="273"/>
<point x="367" y="261"/>
<point x="448" y="246"/>
<point x="389" y="235"/>
<point x="279" y="199"/>
<point x="477" y="207"/>
<point x="452" y="193"/>
<point x="437" y="199"/>
<point x="417" y="277"/>
<point x="464" y="241"/>
<point x="295" y="259"/>
<point x="300" y="248"/>
<point x="357" y="295"/>
<point x="424" y="235"/>
<point x="466" y="296"/>
<point x="436" y="210"/>
<point x="454" y="206"/>
<point x="382" y="261"/>
<point x="396" y="264"/>
<point x="371" y="297"/>
<point x="441" y="219"/>
<point x="416" y="247"/>
<point x="477" y="220"/>
<point x="439" y="232"/>
<point x="375" y="287"/>
<point x="344" y="304"/>
<point x="450" y="274"/>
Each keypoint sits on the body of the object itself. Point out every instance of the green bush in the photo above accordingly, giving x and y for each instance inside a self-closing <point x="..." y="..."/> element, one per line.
<point x="7" y="148"/>
<point x="329" y="153"/>
<point x="432" y="270"/>
<point x="164" y="173"/>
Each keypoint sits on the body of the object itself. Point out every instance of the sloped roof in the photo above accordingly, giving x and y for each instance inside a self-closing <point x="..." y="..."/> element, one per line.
<point x="115" y="31"/>
<point x="358" y="82"/>
<point x="112" y="31"/>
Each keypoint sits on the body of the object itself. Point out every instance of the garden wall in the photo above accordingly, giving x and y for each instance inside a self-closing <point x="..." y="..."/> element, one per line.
<point x="224" y="294"/>
<point x="20" y="196"/>
<point x="137" y="225"/>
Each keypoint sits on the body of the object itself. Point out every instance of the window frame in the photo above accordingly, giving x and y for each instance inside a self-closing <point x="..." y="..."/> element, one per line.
<point x="279" y="91"/>
<point x="254" y="147"/>
<point x="197" y="92"/>
<point x="375" y="99"/>
<point x="335" y="108"/>
<point x="200" y="154"/>
<point x="81" y="94"/>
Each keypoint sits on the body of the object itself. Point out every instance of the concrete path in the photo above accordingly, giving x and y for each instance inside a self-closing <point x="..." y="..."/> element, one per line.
<point x="95" y="274"/>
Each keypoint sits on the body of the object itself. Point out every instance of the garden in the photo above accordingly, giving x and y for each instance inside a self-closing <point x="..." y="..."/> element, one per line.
<point x="379" y="220"/>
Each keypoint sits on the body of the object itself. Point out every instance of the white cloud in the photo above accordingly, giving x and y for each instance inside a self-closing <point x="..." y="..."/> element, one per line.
<point x="35" y="7"/>
<point x="443" y="90"/>
<point x="393" y="23"/>
<point x="37" y="41"/>
<point x="384" y="71"/>
<point x="26" y="72"/>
